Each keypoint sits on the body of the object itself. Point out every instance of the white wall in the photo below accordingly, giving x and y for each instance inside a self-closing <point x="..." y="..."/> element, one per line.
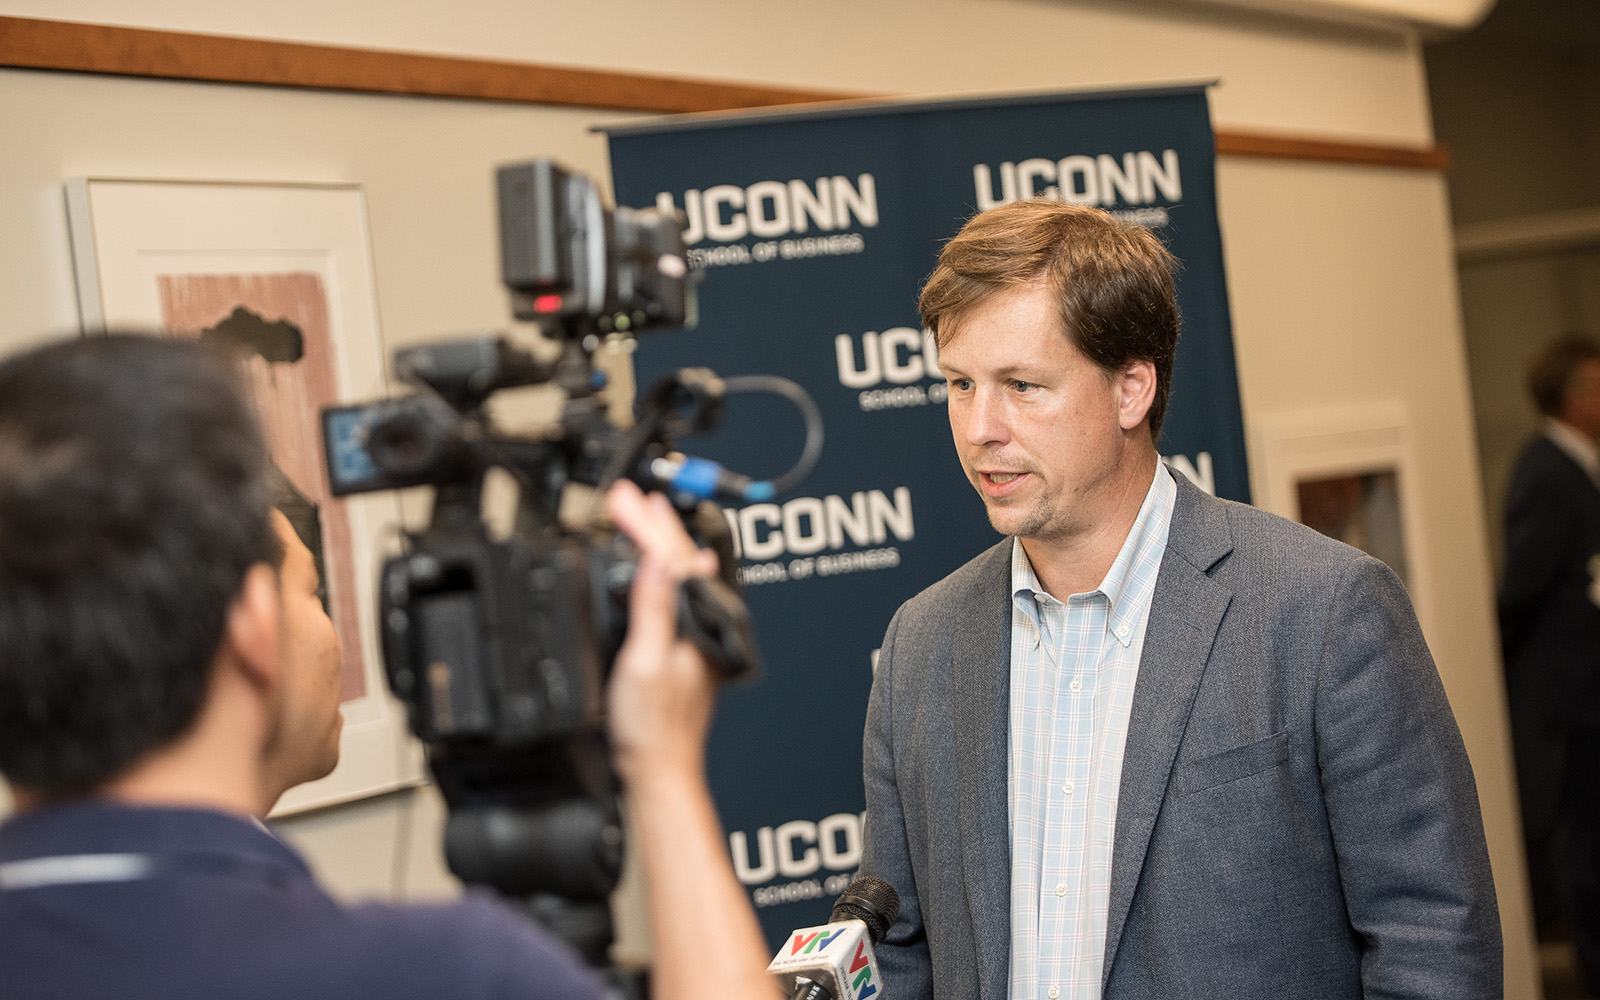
<point x="1341" y="276"/>
<point x="1277" y="72"/>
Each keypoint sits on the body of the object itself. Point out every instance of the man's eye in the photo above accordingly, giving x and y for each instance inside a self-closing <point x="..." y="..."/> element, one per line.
<point x="961" y="384"/>
<point x="1021" y="386"/>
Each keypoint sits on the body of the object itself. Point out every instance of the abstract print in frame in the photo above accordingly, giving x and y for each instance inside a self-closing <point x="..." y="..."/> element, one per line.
<point x="281" y="272"/>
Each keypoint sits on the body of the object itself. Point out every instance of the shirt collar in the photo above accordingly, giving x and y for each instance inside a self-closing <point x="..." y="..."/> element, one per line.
<point x="92" y="826"/>
<point x="1123" y="589"/>
<point x="1575" y="444"/>
<point x="1024" y="584"/>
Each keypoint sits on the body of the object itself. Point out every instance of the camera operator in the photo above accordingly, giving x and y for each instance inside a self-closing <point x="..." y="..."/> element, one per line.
<point x="167" y="671"/>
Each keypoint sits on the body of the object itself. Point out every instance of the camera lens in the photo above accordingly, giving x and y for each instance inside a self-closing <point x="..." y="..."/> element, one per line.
<point x="411" y="439"/>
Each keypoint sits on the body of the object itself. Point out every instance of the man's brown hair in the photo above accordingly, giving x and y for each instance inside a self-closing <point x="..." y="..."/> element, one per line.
<point x="1113" y="281"/>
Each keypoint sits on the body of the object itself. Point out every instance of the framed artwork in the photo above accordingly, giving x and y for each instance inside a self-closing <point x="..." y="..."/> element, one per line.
<point x="1360" y="509"/>
<point x="283" y="273"/>
<point x="1349" y="474"/>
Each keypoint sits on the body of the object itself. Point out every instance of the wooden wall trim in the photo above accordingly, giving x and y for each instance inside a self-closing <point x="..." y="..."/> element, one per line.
<point x="32" y="43"/>
<point x="1565" y="230"/>
<point x="1231" y="143"/>
<point x="96" y="48"/>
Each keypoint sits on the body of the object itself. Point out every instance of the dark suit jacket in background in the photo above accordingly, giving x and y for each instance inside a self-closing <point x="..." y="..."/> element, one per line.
<point x="1549" y="626"/>
<point x="1297" y="816"/>
<point x="1550" y="635"/>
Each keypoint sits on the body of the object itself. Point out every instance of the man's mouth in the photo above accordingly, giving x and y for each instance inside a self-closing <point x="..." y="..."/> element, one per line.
<point x="1000" y="484"/>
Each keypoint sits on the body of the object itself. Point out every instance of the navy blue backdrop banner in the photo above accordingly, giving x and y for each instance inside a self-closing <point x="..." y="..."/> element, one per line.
<point x="814" y="231"/>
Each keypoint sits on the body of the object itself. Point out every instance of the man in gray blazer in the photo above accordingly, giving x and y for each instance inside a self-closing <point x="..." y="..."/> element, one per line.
<point x="1154" y="744"/>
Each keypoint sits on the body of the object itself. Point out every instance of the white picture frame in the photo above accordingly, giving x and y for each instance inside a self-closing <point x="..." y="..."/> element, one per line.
<point x="1369" y="441"/>
<point x="149" y="251"/>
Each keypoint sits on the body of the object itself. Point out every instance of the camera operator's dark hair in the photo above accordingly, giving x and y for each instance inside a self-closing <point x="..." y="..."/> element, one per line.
<point x="1553" y="367"/>
<point x="134" y="497"/>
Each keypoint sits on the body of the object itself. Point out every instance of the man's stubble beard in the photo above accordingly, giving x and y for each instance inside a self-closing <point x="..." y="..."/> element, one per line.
<point x="1032" y="520"/>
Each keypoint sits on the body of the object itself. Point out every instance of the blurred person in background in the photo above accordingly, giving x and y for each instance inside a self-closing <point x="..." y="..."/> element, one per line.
<point x="1549" y="605"/>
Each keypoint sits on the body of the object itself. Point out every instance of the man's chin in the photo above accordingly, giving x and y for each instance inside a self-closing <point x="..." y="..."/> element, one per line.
<point x="331" y="758"/>
<point x="322" y="768"/>
<point x="1016" y="521"/>
<point x="1007" y="522"/>
<point x="328" y="759"/>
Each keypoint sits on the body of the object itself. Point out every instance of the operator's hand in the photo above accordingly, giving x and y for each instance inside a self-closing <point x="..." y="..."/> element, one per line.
<point x="661" y="690"/>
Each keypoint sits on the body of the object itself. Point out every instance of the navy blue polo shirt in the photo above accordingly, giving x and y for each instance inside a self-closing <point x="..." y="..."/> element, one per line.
<point x="99" y="900"/>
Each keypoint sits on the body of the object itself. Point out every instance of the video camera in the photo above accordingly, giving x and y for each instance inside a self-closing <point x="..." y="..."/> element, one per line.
<point x="500" y="648"/>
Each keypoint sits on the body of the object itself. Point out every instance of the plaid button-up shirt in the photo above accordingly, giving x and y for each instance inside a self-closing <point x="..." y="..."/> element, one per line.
<point x="1073" y="667"/>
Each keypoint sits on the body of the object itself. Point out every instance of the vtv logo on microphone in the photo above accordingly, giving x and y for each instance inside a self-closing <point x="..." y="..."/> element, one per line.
<point x="863" y="973"/>
<point x="814" y="939"/>
<point x="844" y="947"/>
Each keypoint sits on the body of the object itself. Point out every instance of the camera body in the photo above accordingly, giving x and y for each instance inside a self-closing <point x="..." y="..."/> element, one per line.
<point x="506" y="642"/>
<point x="500" y="648"/>
<point x="622" y="269"/>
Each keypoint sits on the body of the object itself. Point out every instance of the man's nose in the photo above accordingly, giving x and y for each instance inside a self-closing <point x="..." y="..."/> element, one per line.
<point x="984" y="420"/>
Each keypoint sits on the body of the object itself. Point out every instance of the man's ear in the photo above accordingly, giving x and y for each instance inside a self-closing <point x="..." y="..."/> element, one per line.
<point x="1136" y="388"/>
<point x="251" y="636"/>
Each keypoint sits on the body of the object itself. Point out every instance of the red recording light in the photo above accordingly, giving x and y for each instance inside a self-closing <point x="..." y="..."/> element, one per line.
<point x="547" y="304"/>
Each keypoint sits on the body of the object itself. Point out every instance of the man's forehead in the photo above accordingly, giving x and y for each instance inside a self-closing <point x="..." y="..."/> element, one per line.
<point x="1023" y="318"/>
<point x="1038" y="293"/>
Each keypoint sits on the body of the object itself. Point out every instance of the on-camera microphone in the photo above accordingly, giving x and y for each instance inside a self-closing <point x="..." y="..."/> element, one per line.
<point x="834" y="962"/>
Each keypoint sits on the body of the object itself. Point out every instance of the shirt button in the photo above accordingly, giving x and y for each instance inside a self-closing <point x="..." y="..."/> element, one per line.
<point x="1068" y="787"/>
<point x="1061" y="890"/>
<point x="1076" y="685"/>
<point x="1055" y="991"/>
<point x="1122" y="630"/>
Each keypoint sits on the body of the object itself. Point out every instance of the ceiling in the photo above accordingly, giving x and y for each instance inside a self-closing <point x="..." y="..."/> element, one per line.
<point x="1562" y="24"/>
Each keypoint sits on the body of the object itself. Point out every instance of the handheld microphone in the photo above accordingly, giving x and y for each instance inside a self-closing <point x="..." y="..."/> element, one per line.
<point x="834" y="961"/>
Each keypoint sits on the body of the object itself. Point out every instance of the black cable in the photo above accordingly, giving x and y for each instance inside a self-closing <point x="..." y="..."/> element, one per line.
<point x="791" y="391"/>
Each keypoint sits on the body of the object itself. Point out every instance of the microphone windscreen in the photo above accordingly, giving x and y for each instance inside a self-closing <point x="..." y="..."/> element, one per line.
<point x="870" y="900"/>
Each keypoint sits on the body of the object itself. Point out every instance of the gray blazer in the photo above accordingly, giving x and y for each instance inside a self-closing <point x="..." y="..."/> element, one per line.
<point x="1297" y="816"/>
